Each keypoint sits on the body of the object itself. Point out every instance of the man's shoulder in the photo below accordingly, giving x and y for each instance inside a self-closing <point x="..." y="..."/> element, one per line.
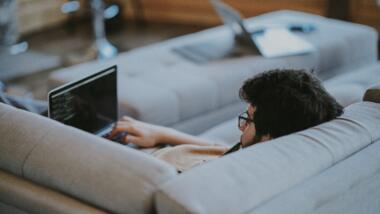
<point x="186" y="156"/>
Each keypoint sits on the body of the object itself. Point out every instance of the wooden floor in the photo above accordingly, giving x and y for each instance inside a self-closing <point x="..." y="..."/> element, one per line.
<point x="71" y="45"/>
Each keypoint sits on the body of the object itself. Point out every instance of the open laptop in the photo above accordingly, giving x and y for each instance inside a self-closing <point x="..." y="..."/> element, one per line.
<point x="272" y="41"/>
<point x="269" y="42"/>
<point x="89" y="104"/>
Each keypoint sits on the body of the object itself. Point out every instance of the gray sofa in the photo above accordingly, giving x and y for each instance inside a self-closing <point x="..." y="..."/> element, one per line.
<point x="47" y="167"/>
<point x="157" y="85"/>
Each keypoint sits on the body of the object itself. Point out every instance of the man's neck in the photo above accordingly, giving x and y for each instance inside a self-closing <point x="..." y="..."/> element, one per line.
<point x="235" y="148"/>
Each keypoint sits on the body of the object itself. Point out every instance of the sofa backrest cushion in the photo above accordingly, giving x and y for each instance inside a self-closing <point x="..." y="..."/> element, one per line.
<point x="97" y="171"/>
<point x="373" y="94"/>
<point x="241" y="181"/>
<point x="351" y="186"/>
<point x="346" y="94"/>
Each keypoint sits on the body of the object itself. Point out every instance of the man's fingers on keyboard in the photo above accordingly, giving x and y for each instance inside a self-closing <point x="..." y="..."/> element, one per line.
<point x="131" y="139"/>
<point x="120" y="127"/>
<point x="123" y="139"/>
<point x="116" y="129"/>
<point x="126" y="118"/>
<point x="111" y="134"/>
<point x="120" y="137"/>
<point x="128" y="127"/>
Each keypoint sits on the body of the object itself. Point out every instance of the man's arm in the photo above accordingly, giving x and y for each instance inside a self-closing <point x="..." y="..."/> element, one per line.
<point x="149" y="135"/>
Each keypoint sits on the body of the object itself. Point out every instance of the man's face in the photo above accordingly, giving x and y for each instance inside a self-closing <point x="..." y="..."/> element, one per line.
<point x="248" y="129"/>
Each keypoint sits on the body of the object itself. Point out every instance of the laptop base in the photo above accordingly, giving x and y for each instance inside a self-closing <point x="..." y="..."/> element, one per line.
<point x="204" y="52"/>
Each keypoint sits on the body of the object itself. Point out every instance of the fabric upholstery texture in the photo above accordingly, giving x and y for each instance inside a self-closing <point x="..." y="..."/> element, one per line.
<point x="350" y="86"/>
<point x="269" y="168"/>
<point x="349" y="187"/>
<point x="347" y="94"/>
<point x="364" y="76"/>
<point x="8" y="209"/>
<point x="26" y="195"/>
<point x="97" y="171"/>
<point x="18" y="139"/>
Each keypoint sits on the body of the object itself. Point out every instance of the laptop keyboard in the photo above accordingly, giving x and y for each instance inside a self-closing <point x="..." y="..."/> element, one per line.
<point x="119" y="138"/>
<point x="203" y="52"/>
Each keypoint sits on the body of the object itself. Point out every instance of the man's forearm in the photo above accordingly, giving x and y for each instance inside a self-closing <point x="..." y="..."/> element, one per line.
<point x="173" y="137"/>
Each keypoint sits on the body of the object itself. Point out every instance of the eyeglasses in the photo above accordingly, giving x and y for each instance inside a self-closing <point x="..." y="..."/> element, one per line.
<point x="244" y="119"/>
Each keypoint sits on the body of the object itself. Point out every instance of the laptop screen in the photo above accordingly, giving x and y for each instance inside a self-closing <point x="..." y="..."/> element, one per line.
<point x="230" y="17"/>
<point x="89" y="104"/>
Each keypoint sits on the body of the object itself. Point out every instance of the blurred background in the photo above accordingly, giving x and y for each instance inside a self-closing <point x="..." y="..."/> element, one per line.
<point x="39" y="36"/>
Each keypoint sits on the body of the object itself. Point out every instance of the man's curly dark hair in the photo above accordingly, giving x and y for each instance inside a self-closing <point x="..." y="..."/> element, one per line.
<point x="288" y="101"/>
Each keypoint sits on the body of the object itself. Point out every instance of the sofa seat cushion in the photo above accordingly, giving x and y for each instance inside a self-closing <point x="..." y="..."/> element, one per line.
<point x="347" y="94"/>
<point x="350" y="86"/>
<point x="258" y="173"/>
<point x="365" y="76"/>
<point x="92" y="169"/>
<point x="158" y="86"/>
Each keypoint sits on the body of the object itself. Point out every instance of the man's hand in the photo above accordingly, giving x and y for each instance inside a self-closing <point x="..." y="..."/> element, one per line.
<point x="139" y="133"/>
<point x="148" y="135"/>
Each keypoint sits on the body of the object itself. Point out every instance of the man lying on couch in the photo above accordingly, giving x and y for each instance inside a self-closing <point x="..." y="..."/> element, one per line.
<point x="280" y="102"/>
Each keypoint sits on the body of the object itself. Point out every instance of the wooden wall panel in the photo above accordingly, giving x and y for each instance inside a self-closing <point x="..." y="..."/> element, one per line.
<point x="366" y="12"/>
<point x="200" y="12"/>
<point x="35" y="15"/>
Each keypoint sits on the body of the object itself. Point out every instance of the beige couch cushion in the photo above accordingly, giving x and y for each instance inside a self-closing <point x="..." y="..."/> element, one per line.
<point x="92" y="169"/>
<point x="25" y="195"/>
<point x="8" y="209"/>
<point x="19" y="136"/>
<point x="243" y="180"/>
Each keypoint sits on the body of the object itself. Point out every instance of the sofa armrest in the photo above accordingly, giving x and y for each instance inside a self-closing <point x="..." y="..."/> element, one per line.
<point x="373" y="94"/>
<point x="78" y="164"/>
